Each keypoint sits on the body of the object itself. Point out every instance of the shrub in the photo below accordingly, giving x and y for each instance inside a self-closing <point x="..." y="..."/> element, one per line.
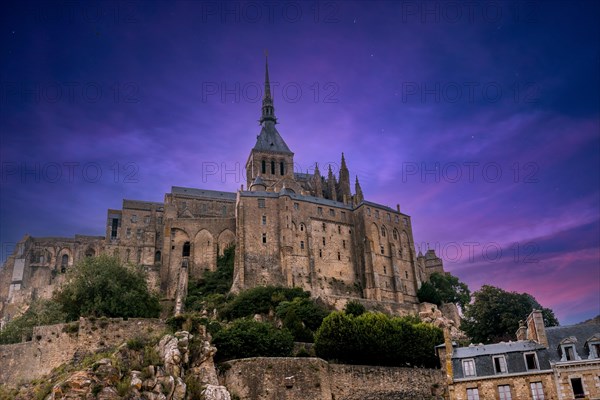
<point x="260" y="300"/>
<point x="428" y="294"/>
<point x="249" y="338"/>
<point x="355" y="308"/>
<point x="302" y="317"/>
<point x="136" y="344"/>
<point x="39" y="313"/>
<point x="376" y="339"/>
<point x="101" y="286"/>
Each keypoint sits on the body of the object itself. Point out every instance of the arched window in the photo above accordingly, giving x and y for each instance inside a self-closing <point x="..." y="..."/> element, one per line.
<point x="272" y="167"/>
<point x="64" y="262"/>
<point x="264" y="167"/>
<point x="186" y="249"/>
<point x="395" y="234"/>
<point x="383" y="231"/>
<point x="157" y="256"/>
<point x="281" y="168"/>
<point x="301" y="227"/>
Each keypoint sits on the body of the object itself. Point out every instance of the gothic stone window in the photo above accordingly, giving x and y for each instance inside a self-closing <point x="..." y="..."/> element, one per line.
<point x="64" y="262"/>
<point x="272" y="167"/>
<point x="537" y="391"/>
<point x="381" y="249"/>
<point x="473" y="394"/>
<point x="263" y="167"/>
<point x="186" y="250"/>
<point x="301" y="227"/>
<point x="468" y="367"/>
<point x="395" y="234"/>
<point x="383" y="231"/>
<point x="261" y="203"/>
<point x="281" y="168"/>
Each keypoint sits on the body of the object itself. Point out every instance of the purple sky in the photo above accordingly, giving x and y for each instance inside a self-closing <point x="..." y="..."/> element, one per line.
<point x="480" y="119"/>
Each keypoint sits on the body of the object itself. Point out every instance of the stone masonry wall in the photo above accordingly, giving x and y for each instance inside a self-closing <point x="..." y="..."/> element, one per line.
<point x="53" y="345"/>
<point x="315" y="379"/>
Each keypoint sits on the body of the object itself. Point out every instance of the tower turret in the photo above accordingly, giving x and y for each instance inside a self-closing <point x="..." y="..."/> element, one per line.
<point x="344" y="193"/>
<point x="318" y="182"/>
<point x="331" y="185"/>
<point x="358" y="197"/>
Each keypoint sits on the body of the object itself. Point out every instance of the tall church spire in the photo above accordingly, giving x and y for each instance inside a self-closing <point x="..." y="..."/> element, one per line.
<point x="268" y="111"/>
<point x="358" y="197"/>
<point x="344" y="182"/>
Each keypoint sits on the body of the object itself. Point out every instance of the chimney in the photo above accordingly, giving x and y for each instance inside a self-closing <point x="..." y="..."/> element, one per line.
<point x="522" y="331"/>
<point x="398" y="207"/>
<point x="535" y="328"/>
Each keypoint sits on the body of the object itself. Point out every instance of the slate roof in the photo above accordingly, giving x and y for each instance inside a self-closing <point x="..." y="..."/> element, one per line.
<point x="496" y="348"/>
<point x="270" y="140"/>
<point x="204" y="193"/>
<point x="582" y="332"/>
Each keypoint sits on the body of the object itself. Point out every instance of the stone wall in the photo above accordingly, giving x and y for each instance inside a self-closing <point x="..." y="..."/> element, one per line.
<point x="53" y="345"/>
<point x="315" y="379"/>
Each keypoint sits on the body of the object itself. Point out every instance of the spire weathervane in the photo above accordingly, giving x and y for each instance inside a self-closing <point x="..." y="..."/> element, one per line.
<point x="268" y="110"/>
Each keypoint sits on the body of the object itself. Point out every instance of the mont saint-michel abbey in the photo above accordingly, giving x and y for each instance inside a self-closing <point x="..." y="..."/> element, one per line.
<point x="288" y="228"/>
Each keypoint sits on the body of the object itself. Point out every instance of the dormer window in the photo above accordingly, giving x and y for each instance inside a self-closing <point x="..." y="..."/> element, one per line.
<point x="531" y="361"/>
<point x="499" y="364"/>
<point x="468" y="368"/>
<point x="593" y="345"/>
<point x="568" y="352"/>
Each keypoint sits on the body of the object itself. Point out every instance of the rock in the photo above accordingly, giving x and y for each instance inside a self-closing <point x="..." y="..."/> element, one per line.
<point x="179" y="390"/>
<point x="213" y="392"/>
<point x="136" y="382"/>
<point x="108" y="393"/>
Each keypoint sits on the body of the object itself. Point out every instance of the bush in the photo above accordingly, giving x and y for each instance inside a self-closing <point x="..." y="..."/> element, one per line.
<point x="249" y="338"/>
<point x="101" y="286"/>
<point x="428" y="294"/>
<point x="260" y="300"/>
<point x="376" y="339"/>
<point x="302" y="317"/>
<point x="355" y="308"/>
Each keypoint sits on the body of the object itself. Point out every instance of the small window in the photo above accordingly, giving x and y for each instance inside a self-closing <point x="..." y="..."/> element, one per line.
<point x="224" y="210"/>
<point x="320" y="253"/>
<point x="384" y="270"/>
<point x="368" y="211"/>
<point x="272" y="167"/>
<point x="531" y="361"/>
<point x="281" y="168"/>
<point x="323" y="241"/>
<point x="343" y="215"/>
<point x="320" y="210"/>
<point x="159" y="220"/>
<point x="301" y="227"/>
<point x="395" y="234"/>
<point x="263" y="167"/>
<point x="128" y="233"/>
<point x="568" y="353"/>
<point x="264" y="238"/>
<point x="296" y="206"/>
<point x="64" y="262"/>
<point x="138" y="234"/>
<point x="406" y="274"/>
<point x="577" y="387"/>
<point x="468" y="367"/>
<point x="405" y="221"/>
<point x="344" y="244"/>
<point x="396" y="219"/>
<point x="377" y="214"/>
<point x="186" y="250"/>
<point x="388" y="217"/>
<point x="382" y="231"/>
<point x="537" y="391"/>
<point x="339" y="256"/>
<point x="499" y="364"/>
<point x="339" y="229"/>
<point x="323" y="226"/>
<point x="473" y="394"/>
<point x="147" y="219"/>
<point x="264" y="219"/>
<point x="261" y="203"/>
<point x="302" y="245"/>
<point x="595" y="351"/>
<point x="134" y="217"/>
<point x="504" y="392"/>
<point x="332" y="212"/>
<point x="157" y="256"/>
<point x="381" y="249"/>
<point x="139" y="256"/>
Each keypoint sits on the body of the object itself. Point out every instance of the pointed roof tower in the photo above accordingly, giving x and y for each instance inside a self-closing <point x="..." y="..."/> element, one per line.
<point x="344" y="182"/>
<point x="358" y="197"/>
<point x="269" y="139"/>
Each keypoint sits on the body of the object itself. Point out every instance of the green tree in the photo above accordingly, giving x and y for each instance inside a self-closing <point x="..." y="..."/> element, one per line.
<point x="211" y="289"/>
<point x="43" y="312"/>
<point x="249" y="338"/>
<point x="495" y="313"/>
<point x="260" y="300"/>
<point x="355" y="308"/>
<point x="377" y="339"/>
<point x="444" y="288"/>
<point x="102" y="286"/>
<point x="302" y="317"/>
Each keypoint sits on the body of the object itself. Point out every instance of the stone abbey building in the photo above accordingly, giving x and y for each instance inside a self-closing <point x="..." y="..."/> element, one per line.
<point x="288" y="228"/>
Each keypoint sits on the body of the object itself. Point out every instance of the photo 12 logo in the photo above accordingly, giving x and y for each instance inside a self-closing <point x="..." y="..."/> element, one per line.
<point x="493" y="252"/>
<point x="252" y="92"/>
<point x="68" y="172"/>
<point x="469" y="171"/>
